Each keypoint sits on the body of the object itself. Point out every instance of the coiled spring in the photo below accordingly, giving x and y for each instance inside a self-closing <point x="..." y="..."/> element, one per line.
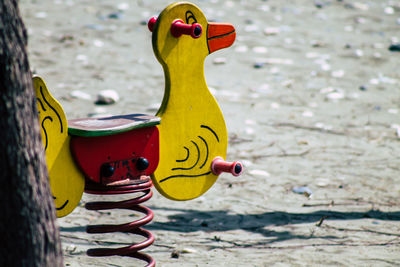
<point x="142" y="185"/>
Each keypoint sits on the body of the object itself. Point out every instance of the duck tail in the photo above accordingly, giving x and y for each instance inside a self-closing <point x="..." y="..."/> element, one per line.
<point x="64" y="177"/>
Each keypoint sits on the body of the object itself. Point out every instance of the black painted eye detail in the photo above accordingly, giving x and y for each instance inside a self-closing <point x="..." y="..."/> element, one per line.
<point x="190" y="18"/>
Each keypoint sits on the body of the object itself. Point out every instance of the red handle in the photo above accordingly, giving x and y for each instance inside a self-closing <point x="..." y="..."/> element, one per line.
<point x="178" y="28"/>
<point x="151" y="23"/>
<point x="219" y="165"/>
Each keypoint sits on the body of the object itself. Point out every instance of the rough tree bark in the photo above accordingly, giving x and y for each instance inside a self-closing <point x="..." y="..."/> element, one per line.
<point x="28" y="232"/>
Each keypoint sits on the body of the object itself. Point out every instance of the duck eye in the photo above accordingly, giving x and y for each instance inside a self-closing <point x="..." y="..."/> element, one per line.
<point x="190" y="18"/>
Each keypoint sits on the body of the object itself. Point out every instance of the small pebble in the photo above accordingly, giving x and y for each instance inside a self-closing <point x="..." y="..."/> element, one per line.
<point x="358" y="52"/>
<point x="260" y="50"/>
<point x="107" y="97"/>
<point x="96" y="27"/>
<point x="397" y="128"/>
<point x="80" y="95"/>
<point x="374" y="81"/>
<point x="327" y="90"/>
<point x="175" y="254"/>
<point x="229" y="3"/>
<point x="348" y="46"/>
<point x="307" y="114"/>
<point x="271" y="31"/>
<point x="254" y="95"/>
<point x="264" y="8"/>
<point x="247" y="163"/>
<point x="278" y="18"/>
<point x="188" y="250"/>
<point x="377" y="55"/>
<point x="303" y="190"/>
<point x="278" y="61"/>
<point x="155" y="106"/>
<point x="389" y="10"/>
<point x="258" y="65"/>
<point x="325" y="67"/>
<point x="249" y="131"/>
<point x="275" y="105"/>
<point x="100" y="110"/>
<point x="250" y="122"/>
<point x="360" y="6"/>
<point x="204" y="224"/>
<point x="70" y="248"/>
<point x="98" y="43"/>
<point x="249" y="21"/>
<point x="354" y="95"/>
<point x="217" y="238"/>
<point x="219" y="60"/>
<point x="82" y="58"/>
<point x="335" y="96"/>
<point x="394" y="47"/>
<point x="363" y="88"/>
<point x="241" y="49"/>
<point x="348" y="28"/>
<point x="318" y="4"/>
<point x="312" y="55"/>
<point x="123" y="6"/>
<point x="321" y="125"/>
<point x="251" y="28"/>
<point x="288" y="41"/>
<point x="41" y="15"/>
<point x="66" y="38"/>
<point x="388" y="80"/>
<point x="361" y="20"/>
<point x="287" y="83"/>
<point x="274" y="70"/>
<point x="337" y="73"/>
<point x="259" y="173"/>
<point x="322" y="182"/>
<point x="316" y="43"/>
<point x="115" y="15"/>
<point x="313" y="105"/>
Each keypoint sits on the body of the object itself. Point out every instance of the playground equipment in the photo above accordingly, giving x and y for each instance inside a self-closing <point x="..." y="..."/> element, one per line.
<point x="182" y="148"/>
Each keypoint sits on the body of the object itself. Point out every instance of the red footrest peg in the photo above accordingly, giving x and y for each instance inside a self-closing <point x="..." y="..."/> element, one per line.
<point x="219" y="165"/>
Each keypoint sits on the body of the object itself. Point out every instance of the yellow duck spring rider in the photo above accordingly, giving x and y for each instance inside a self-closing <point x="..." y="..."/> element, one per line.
<point x="180" y="151"/>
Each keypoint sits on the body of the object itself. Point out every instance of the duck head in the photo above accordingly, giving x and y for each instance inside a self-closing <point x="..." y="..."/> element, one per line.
<point x="192" y="129"/>
<point x="183" y="32"/>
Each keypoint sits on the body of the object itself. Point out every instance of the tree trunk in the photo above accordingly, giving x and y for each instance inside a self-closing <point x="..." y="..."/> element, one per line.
<point x="28" y="234"/>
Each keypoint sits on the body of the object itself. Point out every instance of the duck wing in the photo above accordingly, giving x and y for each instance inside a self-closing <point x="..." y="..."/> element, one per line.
<point x="66" y="181"/>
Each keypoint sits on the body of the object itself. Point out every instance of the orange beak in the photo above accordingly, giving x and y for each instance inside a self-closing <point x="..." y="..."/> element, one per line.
<point x="220" y="35"/>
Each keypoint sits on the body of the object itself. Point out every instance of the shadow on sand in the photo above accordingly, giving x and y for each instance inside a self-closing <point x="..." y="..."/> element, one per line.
<point x="219" y="221"/>
<point x="187" y="220"/>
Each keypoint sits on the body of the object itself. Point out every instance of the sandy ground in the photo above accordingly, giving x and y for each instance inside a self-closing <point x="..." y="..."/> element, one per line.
<point x="310" y="93"/>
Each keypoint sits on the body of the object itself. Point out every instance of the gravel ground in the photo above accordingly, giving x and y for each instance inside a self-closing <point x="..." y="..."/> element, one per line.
<point x="310" y="93"/>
